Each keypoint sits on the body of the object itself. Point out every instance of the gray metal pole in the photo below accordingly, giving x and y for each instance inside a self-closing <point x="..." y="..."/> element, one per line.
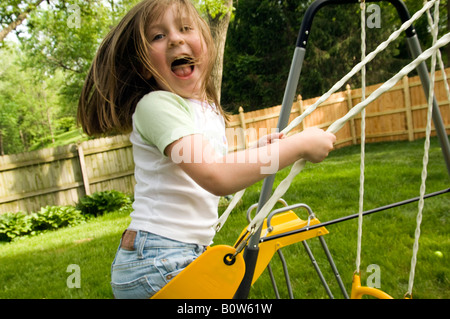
<point x="286" y="106"/>
<point x="416" y="50"/>
<point x="252" y="249"/>
<point x="333" y="266"/>
<point x="317" y="268"/>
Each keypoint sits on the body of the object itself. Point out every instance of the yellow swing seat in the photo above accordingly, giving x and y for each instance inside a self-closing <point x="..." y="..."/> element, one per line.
<point x="359" y="291"/>
<point x="213" y="275"/>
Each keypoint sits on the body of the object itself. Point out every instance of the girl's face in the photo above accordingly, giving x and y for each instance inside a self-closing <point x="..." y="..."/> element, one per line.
<point x="178" y="54"/>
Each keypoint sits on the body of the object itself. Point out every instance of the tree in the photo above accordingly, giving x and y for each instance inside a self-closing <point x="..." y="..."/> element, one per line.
<point x="261" y="41"/>
<point x="258" y="52"/>
<point x="43" y="76"/>
<point x="64" y="36"/>
<point x="13" y="13"/>
<point x="218" y="14"/>
<point x="27" y="105"/>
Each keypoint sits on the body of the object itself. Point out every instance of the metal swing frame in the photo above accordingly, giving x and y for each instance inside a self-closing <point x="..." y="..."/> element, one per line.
<point x="311" y="224"/>
<point x="251" y="251"/>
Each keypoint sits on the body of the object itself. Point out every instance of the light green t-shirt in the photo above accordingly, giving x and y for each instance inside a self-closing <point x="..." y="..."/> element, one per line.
<point x="163" y="117"/>
<point x="167" y="201"/>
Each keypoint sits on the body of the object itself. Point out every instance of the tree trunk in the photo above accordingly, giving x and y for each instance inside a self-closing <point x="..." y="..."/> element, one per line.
<point x="219" y="28"/>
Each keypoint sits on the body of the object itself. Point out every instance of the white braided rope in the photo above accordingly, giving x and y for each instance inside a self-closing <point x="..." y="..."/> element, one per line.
<point x="444" y="74"/>
<point x="336" y="126"/>
<point x="434" y="31"/>
<point x="363" y="138"/>
<point x="299" y="165"/>
<point x="441" y="63"/>
<point x="223" y="218"/>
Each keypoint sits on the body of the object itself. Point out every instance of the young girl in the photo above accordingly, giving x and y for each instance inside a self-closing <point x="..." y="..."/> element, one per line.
<point x="152" y="77"/>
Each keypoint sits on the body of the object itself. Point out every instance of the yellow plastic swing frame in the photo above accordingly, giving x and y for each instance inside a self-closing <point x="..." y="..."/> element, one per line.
<point x="359" y="291"/>
<point x="215" y="275"/>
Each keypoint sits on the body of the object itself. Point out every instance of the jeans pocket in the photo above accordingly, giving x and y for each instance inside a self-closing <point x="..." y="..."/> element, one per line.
<point x="136" y="289"/>
<point x="131" y="276"/>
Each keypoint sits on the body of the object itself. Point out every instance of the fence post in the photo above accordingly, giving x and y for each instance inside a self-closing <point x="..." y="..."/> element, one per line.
<point x="242" y="145"/>
<point x="300" y="111"/>
<point x="83" y="170"/>
<point x="352" y="121"/>
<point x="408" y="111"/>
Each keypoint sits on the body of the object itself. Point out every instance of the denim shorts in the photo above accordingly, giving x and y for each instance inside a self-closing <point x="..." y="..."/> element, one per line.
<point x="145" y="262"/>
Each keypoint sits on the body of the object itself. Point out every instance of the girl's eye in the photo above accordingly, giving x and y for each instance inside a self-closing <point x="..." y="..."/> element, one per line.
<point x="186" y="28"/>
<point x="158" y="37"/>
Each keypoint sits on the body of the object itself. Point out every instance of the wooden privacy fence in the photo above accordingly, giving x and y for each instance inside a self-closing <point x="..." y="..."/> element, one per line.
<point x="60" y="176"/>
<point x="399" y="114"/>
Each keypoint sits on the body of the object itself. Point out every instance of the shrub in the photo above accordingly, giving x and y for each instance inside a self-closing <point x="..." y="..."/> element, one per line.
<point x="54" y="217"/>
<point x="66" y="124"/>
<point x="19" y="224"/>
<point x="103" y="202"/>
<point x="13" y="225"/>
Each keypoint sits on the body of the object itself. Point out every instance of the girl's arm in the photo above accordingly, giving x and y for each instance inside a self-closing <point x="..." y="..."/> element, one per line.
<point x="235" y="171"/>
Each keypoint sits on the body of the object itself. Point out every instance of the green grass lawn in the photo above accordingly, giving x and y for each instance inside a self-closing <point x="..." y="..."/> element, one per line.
<point x="36" y="267"/>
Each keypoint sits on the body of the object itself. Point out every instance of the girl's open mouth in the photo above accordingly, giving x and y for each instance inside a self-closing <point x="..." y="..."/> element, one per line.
<point x="183" y="66"/>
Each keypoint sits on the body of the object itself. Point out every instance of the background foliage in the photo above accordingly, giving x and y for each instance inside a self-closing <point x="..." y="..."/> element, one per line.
<point x="262" y="37"/>
<point x="46" y="64"/>
<point x="46" y="57"/>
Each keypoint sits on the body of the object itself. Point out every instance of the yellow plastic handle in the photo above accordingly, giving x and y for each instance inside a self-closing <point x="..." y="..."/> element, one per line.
<point x="358" y="291"/>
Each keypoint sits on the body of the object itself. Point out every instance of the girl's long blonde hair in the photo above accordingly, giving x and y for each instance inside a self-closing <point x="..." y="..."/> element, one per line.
<point x="115" y="82"/>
